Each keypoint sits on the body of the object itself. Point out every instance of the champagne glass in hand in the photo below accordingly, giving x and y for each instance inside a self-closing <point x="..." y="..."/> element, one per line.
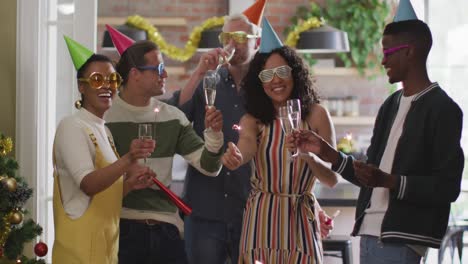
<point x="145" y="131"/>
<point x="209" y="86"/>
<point x="283" y="115"/>
<point x="295" y="116"/>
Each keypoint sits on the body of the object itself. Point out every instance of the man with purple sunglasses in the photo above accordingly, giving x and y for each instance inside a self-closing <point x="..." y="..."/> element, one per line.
<point x="415" y="161"/>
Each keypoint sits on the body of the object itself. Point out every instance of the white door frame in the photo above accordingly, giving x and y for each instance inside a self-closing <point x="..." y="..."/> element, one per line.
<point x="36" y="99"/>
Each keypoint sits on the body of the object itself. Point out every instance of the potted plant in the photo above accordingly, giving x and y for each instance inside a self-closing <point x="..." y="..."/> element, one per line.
<point x="363" y="20"/>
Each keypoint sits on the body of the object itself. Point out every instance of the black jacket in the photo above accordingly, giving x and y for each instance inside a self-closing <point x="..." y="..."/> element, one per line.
<point x="429" y="162"/>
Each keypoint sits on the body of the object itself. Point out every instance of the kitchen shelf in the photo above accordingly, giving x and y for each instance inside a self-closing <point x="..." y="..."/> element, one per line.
<point x="157" y="21"/>
<point x="353" y="120"/>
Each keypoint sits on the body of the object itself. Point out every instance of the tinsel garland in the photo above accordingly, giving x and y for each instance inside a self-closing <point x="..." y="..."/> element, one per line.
<point x="9" y="201"/>
<point x="14" y="236"/>
<point x="293" y="36"/>
<point x="6" y="145"/>
<point x="191" y="46"/>
<point x="5" y="229"/>
<point x="170" y="50"/>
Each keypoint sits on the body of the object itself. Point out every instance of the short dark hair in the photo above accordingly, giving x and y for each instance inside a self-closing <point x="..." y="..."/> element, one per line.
<point x="134" y="56"/>
<point x="95" y="57"/>
<point x="412" y="31"/>
<point x="257" y="102"/>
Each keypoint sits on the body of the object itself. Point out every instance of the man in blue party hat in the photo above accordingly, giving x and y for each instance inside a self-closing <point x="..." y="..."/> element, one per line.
<point x="415" y="162"/>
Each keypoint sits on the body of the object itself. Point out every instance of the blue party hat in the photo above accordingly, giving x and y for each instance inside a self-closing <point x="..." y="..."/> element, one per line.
<point x="270" y="40"/>
<point x="405" y="11"/>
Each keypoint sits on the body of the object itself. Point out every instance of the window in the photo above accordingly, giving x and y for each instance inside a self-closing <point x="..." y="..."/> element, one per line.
<point x="448" y="64"/>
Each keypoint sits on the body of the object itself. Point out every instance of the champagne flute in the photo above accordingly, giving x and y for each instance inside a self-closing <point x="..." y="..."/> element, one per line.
<point x="294" y="116"/>
<point x="209" y="87"/>
<point x="230" y="50"/>
<point x="283" y="115"/>
<point x="145" y="131"/>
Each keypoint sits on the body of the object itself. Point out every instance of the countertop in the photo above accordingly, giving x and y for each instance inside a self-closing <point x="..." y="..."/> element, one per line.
<point x="343" y="194"/>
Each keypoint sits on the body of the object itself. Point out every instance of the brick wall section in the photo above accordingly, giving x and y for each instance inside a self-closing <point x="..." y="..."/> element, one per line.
<point x="371" y="93"/>
<point x="195" y="12"/>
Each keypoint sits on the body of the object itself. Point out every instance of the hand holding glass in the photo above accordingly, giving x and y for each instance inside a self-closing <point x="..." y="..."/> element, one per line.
<point x="145" y="131"/>
<point x="209" y="87"/>
<point x="294" y="106"/>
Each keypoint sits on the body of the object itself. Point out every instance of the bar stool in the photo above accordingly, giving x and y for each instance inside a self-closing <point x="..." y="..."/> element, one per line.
<point x="341" y="244"/>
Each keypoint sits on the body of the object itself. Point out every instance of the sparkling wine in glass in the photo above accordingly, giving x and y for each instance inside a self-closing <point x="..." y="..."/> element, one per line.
<point x="209" y="87"/>
<point x="145" y="131"/>
<point x="294" y="106"/>
<point x="283" y="115"/>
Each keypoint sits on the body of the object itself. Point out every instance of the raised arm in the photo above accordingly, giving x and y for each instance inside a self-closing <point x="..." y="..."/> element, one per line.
<point x="320" y="121"/>
<point x="244" y="151"/>
<point x="208" y="61"/>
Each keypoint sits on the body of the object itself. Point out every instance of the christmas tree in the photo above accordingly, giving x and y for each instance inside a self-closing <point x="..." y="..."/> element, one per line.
<point x="14" y="192"/>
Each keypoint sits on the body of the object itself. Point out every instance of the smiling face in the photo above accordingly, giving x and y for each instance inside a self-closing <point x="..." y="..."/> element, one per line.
<point x="395" y="60"/>
<point x="97" y="101"/>
<point x="151" y="83"/>
<point x="278" y="89"/>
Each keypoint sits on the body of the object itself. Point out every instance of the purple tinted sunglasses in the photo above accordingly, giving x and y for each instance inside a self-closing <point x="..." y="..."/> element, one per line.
<point x="390" y="51"/>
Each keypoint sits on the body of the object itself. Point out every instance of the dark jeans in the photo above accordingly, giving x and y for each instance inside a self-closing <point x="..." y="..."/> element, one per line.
<point x="211" y="242"/>
<point x="149" y="244"/>
<point x="374" y="252"/>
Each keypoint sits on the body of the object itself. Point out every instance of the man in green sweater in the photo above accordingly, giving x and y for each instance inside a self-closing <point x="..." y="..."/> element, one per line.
<point x="150" y="224"/>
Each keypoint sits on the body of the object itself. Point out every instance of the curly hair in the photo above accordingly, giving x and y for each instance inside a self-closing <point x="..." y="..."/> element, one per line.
<point x="257" y="102"/>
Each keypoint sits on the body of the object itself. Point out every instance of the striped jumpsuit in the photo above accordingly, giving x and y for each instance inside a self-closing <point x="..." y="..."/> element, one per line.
<point x="279" y="220"/>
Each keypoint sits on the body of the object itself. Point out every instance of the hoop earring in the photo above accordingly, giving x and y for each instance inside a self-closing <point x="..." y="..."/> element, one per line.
<point x="78" y="104"/>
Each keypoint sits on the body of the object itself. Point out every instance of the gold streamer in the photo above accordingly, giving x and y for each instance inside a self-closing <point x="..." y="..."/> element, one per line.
<point x="6" y="145"/>
<point x="293" y="36"/>
<point x="170" y="50"/>
<point x="4" y="230"/>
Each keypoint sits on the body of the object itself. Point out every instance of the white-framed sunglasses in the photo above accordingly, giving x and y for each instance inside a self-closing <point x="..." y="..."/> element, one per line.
<point x="283" y="71"/>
